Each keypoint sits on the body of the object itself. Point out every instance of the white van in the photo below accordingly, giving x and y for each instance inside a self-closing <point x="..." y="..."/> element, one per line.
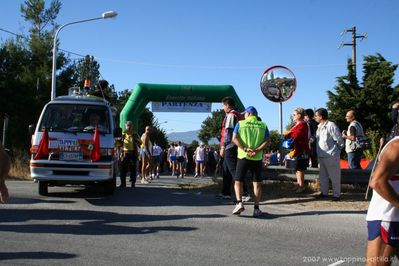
<point x="70" y="122"/>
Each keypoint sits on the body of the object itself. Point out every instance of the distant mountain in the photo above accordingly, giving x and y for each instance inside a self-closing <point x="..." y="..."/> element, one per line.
<point x="187" y="137"/>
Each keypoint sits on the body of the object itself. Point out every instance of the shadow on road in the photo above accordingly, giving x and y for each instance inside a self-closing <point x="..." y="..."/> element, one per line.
<point x="269" y="216"/>
<point x="35" y="255"/>
<point x="153" y="197"/>
<point x="88" y="222"/>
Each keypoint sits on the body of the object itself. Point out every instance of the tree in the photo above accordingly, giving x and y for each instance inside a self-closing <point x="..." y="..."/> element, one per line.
<point x="40" y="43"/>
<point x="87" y="68"/>
<point x="211" y="126"/>
<point x="346" y="97"/>
<point x="274" y="140"/>
<point x="15" y="95"/>
<point x="372" y="101"/>
<point x="377" y="95"/>
<point x="34" y="11"/>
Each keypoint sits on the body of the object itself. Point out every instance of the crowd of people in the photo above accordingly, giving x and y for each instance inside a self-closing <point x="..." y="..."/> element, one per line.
<point x="244" y="138"/>
<point x="146" y="160"/>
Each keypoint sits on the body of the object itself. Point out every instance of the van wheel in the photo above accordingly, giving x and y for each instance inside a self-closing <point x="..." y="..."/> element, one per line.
<point x="43" y="188"/>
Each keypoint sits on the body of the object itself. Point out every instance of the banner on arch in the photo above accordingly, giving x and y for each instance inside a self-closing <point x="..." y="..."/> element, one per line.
<point x="192" y="107"/>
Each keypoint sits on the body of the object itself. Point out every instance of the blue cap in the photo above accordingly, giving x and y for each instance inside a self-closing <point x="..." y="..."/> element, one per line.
<point x="251" y="110"/>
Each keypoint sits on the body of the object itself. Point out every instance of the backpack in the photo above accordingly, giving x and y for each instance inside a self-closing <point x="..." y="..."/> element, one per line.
<point x="361" y="142"/>
<point x="237" y="115"/>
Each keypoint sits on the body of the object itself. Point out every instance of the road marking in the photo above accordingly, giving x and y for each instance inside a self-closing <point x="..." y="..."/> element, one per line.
<point x="145" y="230"/>
<point x="337" y="263"/>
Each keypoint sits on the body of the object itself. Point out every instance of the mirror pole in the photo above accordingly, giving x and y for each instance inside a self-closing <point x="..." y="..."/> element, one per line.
<point x="281" y="117"/>
<point x="281" y="132"/>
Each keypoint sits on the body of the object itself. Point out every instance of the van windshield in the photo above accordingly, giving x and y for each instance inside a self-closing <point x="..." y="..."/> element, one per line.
<point x="75" y="118"/>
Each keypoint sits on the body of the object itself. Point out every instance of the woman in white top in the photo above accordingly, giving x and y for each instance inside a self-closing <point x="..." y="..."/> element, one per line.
<point x="199" y="160"/>
<point x="172" y="158"/>
<point x="146" y="147"/>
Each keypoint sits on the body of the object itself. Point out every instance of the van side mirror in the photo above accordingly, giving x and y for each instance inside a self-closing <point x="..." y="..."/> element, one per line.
<point x="117" y="132"/>
<point x="32" y="129"/>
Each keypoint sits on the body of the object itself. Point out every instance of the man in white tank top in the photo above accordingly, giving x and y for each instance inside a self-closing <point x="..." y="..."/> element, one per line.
<point x="383" y="213"/>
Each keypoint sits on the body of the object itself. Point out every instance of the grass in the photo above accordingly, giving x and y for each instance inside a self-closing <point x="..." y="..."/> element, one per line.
<point x="19" y="167"/>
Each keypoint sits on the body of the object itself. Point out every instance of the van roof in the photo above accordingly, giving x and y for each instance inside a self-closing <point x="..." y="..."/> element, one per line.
<point x="80" y="98"/>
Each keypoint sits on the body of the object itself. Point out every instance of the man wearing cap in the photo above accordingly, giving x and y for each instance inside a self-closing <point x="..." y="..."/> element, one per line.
<point x="251" y="137"/>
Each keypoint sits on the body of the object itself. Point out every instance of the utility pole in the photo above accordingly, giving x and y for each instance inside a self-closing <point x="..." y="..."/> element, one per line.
<point x="353" y="44"/>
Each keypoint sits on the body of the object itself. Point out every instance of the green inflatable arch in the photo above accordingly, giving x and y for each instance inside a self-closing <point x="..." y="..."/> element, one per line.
<point x="144" y="93"/>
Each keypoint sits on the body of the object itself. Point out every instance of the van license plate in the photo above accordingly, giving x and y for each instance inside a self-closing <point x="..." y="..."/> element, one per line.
<point x="71" y="156"/>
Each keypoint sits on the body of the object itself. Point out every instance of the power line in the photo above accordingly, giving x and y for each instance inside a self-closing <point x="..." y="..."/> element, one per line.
<point x="28" y="39"/>
<point x="207" y="67"/>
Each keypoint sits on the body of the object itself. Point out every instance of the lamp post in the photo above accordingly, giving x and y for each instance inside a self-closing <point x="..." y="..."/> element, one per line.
<point x="108" y="14"/>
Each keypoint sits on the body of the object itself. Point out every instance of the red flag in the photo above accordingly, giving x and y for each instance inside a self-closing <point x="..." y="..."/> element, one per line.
<point x="96" y="153"/>
<point x="42" y="150"/>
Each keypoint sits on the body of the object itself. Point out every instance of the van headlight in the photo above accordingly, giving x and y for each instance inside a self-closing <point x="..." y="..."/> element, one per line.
<point x="107" y="152"/>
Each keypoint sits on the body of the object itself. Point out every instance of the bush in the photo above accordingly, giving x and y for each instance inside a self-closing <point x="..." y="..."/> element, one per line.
<point x="374" y="136"/>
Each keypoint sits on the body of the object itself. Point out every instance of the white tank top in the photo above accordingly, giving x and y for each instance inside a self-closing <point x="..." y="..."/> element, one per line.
<point x="379" y="208"/>
<point x="200" y="154"/>
<point x="171" y="151"/>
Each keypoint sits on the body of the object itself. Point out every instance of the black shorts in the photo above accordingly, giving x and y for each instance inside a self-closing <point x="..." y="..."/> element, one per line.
<point x="255" y="167"/>
<point x="180" y="159"/>
<point x="302" y="164"/>
<point x="156" y="159"/>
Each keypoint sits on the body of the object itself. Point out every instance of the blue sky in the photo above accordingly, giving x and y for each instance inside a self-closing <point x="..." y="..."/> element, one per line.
<point x="224" y="42"/>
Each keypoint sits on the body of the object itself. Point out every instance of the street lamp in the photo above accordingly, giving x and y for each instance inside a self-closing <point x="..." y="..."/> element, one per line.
<point x="108" y="14"/>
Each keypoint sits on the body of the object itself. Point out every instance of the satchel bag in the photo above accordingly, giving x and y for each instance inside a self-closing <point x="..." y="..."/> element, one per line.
<point x="288" y="144"/>
<point x="361" y="143"/>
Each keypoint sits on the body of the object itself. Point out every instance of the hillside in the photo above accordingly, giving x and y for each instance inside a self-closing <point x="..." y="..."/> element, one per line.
<point x="187" y="137"/>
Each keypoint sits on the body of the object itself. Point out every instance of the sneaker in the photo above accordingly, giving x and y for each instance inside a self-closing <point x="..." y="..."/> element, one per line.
<point x="180" y="176"/>
<point x="219" y="196"/>
<point x="157" y="176"/>
<point x="226" y="197"/>
<point x="238" y="209"/>
<point x="143" y="181"/>
<point x="257" y="213"/>
<point x="336" y="198"/>
<point x="196" y="175"/>
<point x="321" y="196"/>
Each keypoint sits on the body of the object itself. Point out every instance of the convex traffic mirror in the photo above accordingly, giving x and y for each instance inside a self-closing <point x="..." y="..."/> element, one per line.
<point x="278" y="83"/>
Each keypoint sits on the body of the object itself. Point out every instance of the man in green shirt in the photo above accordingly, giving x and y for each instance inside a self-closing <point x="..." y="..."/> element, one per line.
<point x="251" y="137"/>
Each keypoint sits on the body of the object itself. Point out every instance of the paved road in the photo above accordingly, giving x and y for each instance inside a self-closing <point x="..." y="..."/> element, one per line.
<point x="158" y="224"/>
